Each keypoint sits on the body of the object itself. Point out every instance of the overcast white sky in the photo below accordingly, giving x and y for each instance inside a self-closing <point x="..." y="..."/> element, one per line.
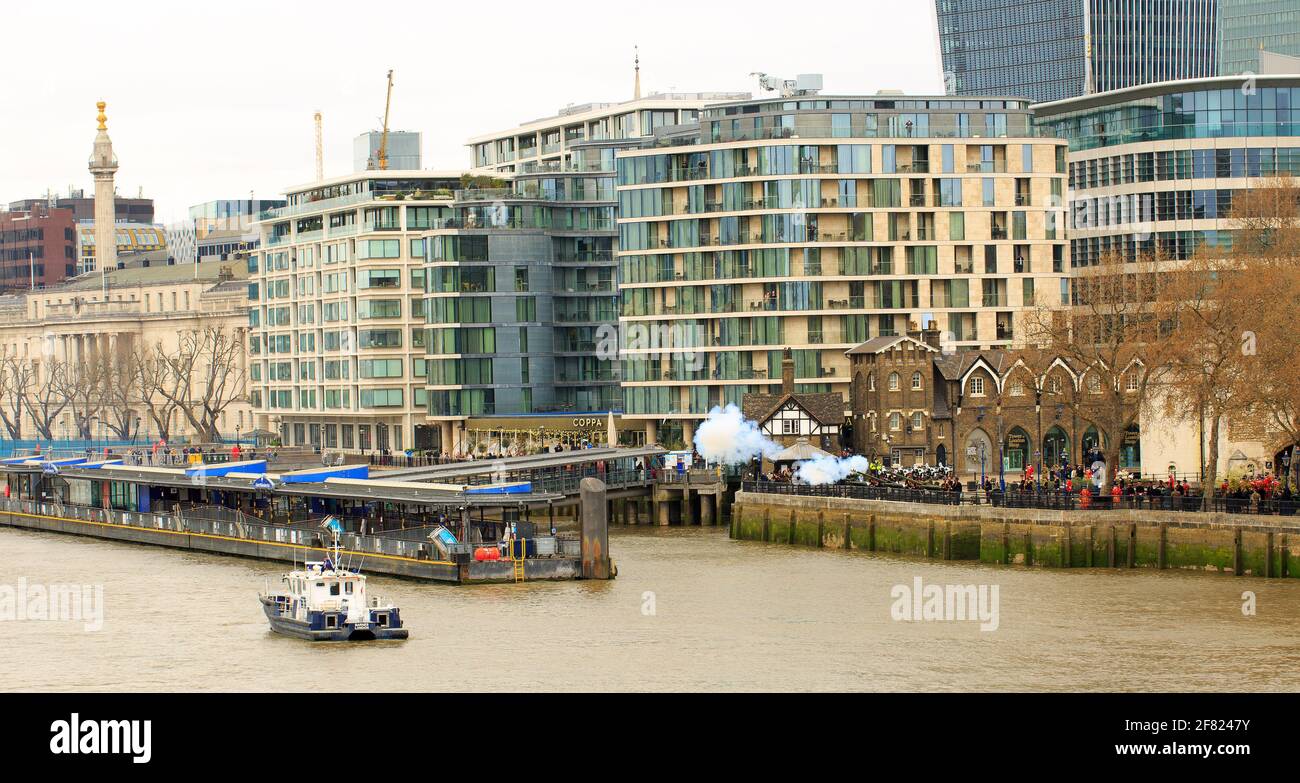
<point x="215" y="99"/>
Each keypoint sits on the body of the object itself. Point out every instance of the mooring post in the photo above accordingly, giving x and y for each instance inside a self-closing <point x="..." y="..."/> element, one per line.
<point x="1238" y="567"/>
<point x="1284" y="570"/>
<point x="595" y="529"/>
<point x="1163" y="554"/>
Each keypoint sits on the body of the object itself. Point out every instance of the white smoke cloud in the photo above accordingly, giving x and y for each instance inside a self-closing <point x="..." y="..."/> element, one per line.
<point x="829" y="469"/>
<point x="728" y="438"/>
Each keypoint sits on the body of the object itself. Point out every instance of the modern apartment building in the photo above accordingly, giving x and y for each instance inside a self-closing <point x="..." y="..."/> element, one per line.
<point x="337" y="350"/>
<point x="549" y="140"/>
<point x="523" y="282"/>
<point x="1157" y="167"/>
<point x="818" y="223"/>
<point x="1050" y="50"/>
<point x="1248" y="26"/>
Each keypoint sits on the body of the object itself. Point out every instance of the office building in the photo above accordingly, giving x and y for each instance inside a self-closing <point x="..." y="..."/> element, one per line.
<point x="38" y="247"/>
<point x="1156" y="167"/>
<point x="1249" y="28"/>
<point x="818" y="223"/>
<point x="218" y="230"/>
<point x="403" y="151"/>
<point x="1049" y="50"/>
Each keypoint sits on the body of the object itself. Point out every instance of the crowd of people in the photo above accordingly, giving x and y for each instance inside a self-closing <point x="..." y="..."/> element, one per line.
<point x="162" y="455"/>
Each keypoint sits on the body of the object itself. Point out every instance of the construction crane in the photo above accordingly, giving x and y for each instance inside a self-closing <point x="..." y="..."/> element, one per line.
<point x="320" y="152"/>
<point x="383" y="139"/>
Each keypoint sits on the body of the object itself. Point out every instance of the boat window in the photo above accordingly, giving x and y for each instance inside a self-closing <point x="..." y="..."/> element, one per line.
<point x="348" y="588"/>
<point x="320" y="584"/>
<point x="334" y="588"/>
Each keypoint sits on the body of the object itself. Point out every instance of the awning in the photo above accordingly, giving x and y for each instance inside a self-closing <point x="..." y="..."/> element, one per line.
<point x="801" y="450"/>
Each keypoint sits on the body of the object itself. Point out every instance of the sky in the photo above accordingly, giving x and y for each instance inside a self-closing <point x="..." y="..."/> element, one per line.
<point x="216" y="99"/>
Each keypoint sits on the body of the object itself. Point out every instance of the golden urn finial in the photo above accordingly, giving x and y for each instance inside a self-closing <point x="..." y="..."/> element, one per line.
<point x="102" y="118"/>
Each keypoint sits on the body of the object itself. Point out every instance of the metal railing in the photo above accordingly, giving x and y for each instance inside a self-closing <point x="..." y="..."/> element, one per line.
<point x="1045" y="499"/>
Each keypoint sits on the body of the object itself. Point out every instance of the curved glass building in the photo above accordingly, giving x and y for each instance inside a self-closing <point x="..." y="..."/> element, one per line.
<point x="1157" y="167"/>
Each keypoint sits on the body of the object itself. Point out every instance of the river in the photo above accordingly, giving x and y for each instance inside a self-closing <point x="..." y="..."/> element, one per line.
<point x="691" y="610"/>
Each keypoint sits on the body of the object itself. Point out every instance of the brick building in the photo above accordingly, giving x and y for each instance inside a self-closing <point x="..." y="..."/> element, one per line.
<point x="916" y="404"/>
<point x="38" y="247"/>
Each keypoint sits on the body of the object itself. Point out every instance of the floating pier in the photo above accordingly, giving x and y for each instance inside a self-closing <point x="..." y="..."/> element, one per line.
<point x="239" y="509"/>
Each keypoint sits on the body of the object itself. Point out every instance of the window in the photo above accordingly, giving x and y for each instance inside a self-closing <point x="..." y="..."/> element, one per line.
<point x="918" y="421"/>
<point x="1131" y="381"/>
<point x="895" y="421"/>
<point x="1094" y="384"/>
<point x="893" y="381"/>
<point x="871" y="383"/>
<point x="916" y="381"/>
<point x="977" y="386"/>
<point x="1017" y="389"/>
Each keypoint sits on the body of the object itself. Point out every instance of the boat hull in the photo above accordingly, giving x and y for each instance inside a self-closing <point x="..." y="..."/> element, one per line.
<point x="318" y="627"/>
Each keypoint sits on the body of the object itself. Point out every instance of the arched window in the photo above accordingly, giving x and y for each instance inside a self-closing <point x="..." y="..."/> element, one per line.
<point x="916" y="381"/>
<point x="918" y="421"/>
<point x="893" y="381"/>
<point x="895" y="421"/>
<point x="871" y="382"/>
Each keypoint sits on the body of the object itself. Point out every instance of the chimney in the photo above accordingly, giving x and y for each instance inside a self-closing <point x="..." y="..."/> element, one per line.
<point x="931" y="336"/>
<point x="787" y="372"/>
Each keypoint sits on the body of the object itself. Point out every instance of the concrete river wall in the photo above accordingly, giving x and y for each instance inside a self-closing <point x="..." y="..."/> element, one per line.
<point x="1227" y="543"/>
<point x="375" y="554"/>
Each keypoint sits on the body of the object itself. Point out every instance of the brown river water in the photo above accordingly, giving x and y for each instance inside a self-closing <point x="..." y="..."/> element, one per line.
<point x="691" y="610"/>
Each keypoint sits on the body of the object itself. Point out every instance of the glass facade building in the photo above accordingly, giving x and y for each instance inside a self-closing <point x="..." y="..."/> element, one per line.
<point x="519" y="281"/>
<point x="1156" y="168"/>
<point x="1246" y="26"/>
<point x="817" y="223"/>
<point x="1012" y="47"/>
<point x="1050" y="50"/>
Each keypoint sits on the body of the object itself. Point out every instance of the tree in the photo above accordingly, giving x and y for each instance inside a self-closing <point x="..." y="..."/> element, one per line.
<point x="1266" y="249"/>
<point x="47" y="396"/>
<point x="1207" y="304"/>
<point x="157" y="387"/>
<point x="120" y="396"/>
<point x="85" y="384"/>
<point x="1110" y="336"/>
<point x="15" y="385"/>
<point x="207" y="377"/>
